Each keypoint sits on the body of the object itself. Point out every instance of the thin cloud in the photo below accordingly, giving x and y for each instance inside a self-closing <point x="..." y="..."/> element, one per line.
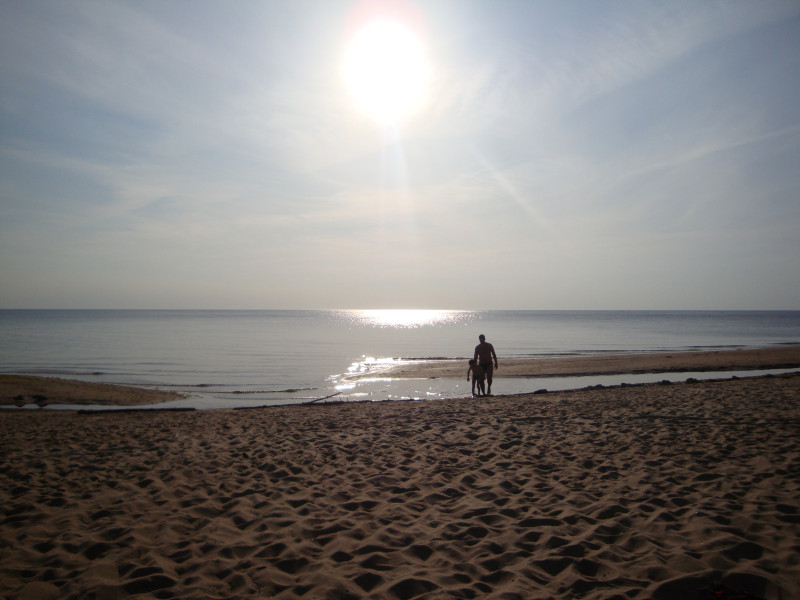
<point x="564" y="147"/>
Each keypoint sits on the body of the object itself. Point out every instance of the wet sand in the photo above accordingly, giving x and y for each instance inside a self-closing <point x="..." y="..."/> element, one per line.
<point x="19" y="390"/>
<point x="612" y="364"/>
<point x="628" y="493"/>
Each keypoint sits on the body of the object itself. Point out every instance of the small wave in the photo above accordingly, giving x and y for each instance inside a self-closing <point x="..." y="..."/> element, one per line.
<point x="286" y="391"/>
<point x="41" y="372"/>
<point x="427" y="358"/>
<point x="191" y="385"/>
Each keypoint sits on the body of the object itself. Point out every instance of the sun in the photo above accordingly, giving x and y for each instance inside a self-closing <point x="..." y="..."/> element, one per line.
<point x="385" y="70"/>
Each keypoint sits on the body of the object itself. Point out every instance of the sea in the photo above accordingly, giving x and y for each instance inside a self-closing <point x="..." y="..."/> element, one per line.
<point x="252" y="358"/>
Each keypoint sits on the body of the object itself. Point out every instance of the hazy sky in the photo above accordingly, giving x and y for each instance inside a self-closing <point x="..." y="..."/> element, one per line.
<point x="565" y="155"/>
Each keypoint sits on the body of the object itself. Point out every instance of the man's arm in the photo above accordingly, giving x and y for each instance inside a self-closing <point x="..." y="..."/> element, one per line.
<point x="494" y="356"/>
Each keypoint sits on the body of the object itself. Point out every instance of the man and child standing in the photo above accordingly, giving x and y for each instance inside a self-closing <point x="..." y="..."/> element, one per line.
<point x="481" y="367"/>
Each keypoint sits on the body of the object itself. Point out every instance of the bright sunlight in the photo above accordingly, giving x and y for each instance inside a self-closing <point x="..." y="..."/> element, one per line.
<point x="385" y="70"/>
<point x="408" y="318"/>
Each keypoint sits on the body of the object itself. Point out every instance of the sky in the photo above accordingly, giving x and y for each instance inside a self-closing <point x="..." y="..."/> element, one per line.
<point x="621" y="154"/>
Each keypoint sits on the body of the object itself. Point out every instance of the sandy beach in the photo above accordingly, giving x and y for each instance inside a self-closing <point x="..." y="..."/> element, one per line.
<point x="637" y="492"/>
<point x="19" y="390"/>
<point x="612" y="364"/>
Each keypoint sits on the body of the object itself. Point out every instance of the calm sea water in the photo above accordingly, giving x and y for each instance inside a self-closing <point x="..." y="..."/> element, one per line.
<point x="233" y="358"/>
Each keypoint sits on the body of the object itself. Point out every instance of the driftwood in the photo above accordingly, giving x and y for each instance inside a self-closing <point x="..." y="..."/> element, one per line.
<point x="275" y="405"/>
<point x="321" y="399"/>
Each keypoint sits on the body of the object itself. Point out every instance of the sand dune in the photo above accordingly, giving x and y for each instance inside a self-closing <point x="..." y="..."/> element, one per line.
<point x="628" y="493"/>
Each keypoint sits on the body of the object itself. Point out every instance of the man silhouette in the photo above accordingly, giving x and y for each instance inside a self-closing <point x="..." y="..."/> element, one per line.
<point x="484" y="353"/>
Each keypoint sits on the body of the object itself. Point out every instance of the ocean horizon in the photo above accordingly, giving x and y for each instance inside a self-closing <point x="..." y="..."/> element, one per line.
<point x="228" y="358"/>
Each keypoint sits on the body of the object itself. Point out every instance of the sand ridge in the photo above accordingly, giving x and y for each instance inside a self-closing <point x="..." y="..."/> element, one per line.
<point x="19" y="390"/>
<point x="636" y="493"/>
<point x="778" y="357"/>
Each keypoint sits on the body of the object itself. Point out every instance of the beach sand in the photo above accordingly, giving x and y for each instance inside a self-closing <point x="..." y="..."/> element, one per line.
<point x="628" y="493"/>
<point x="610" y="364"/>
<point x="20" y="390"/>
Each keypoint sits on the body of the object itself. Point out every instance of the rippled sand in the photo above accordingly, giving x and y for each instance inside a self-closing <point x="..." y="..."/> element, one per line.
<point x="629" y="493"/>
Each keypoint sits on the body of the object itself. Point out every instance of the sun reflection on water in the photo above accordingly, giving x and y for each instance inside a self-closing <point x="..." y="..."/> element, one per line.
<point x="408" y="318"/>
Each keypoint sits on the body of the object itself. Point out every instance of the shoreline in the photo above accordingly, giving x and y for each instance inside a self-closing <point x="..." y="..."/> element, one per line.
<point x="649" y="492"/>
<point x="22" y="390"/>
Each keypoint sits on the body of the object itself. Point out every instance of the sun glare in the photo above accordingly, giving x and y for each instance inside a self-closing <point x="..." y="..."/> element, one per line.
<point x="385" y="70"/>
<point x="408" y="318"/>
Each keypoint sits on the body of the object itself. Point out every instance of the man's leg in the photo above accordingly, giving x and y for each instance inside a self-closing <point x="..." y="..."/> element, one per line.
<point x="488" y="369"/>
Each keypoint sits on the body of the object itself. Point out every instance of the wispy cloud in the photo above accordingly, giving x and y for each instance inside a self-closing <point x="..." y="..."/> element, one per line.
<point x="563" y="146"/>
